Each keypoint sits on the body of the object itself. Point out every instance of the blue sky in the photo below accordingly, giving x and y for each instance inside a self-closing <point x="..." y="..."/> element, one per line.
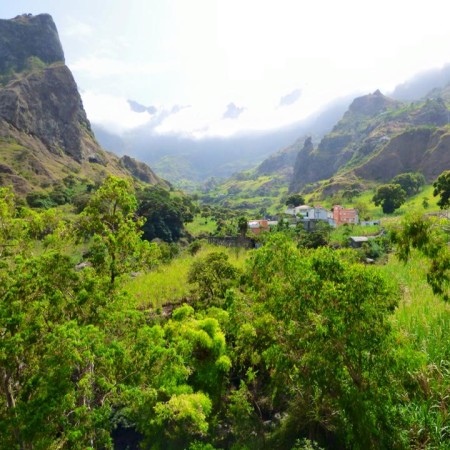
<point x="217" y="67"/>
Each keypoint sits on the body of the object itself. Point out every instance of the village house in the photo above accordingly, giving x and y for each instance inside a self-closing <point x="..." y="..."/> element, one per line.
<point x="307" y="213"/>
<point x="258" y="226"/>
<point x="343" y="215"/>
<point x="358" y="241"/>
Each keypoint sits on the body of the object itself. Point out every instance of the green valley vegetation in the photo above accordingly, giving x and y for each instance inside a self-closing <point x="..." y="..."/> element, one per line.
<point x="295" y="345"/>
<point x="123" y="326"/>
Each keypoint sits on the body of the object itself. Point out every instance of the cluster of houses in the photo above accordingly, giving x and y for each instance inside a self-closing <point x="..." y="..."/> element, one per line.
<point x="310" y="215"/>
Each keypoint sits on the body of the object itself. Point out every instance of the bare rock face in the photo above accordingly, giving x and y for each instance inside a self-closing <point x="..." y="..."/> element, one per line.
<point x="46" y="103"/>
<point x="40" y="97"/>
<point x="28" y="36"/>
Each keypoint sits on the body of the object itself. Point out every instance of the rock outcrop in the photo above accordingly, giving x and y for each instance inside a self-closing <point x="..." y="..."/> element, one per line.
<point x="45" y="103"/>
<point x="28" y="36"/>
<point x="139" y="170"/>
<point x="372" y="104"/>
<point x="44" y="131"/>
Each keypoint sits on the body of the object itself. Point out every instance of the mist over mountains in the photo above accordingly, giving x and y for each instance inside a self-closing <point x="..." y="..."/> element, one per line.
<point x="421" y="84"/>
<point x="179" y="158"/>
<point x="184" y="160"/>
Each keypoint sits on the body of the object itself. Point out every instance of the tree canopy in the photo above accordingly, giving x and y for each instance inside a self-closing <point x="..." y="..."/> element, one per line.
<point x="295" y="200"/>
<point x="390" y="197"/>
<point x="410" y="182"/>
<point x="110" y="220"/>
<point x="442" y="189"/>
<point x="165" y="214"/>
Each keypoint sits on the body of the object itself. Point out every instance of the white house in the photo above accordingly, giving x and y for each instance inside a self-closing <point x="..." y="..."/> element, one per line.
<point x="306" y="213"/>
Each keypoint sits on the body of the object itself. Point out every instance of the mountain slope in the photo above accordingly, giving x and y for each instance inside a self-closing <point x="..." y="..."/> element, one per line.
<point x="376" y="139"/>
<point x="44" y="131"/>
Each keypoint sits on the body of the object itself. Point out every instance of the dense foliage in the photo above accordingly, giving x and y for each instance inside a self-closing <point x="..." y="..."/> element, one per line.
<point x="164" y="214"/>
<point x="296" y="349"/>
<point x="410" y="182"/>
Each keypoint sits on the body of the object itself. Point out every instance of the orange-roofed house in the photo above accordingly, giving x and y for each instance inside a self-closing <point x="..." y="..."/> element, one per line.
<point x="258" y="226"/>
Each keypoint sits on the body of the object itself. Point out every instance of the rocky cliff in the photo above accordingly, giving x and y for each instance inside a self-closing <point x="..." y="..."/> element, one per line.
<point x="44" y="131"/>
<point x="376" y="139"/>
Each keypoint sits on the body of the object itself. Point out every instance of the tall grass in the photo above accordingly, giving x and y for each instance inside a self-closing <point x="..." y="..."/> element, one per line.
<point x="424" y="320"/>
<point x="423" y="316"/>
<point x="168" y="283"/>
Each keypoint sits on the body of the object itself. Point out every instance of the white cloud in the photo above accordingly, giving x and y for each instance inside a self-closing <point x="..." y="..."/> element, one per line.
<point x="113" y="113"/>
<point x="99" y="67"/>
<point x="76" y="28"/>
<point x="251" y="53"/>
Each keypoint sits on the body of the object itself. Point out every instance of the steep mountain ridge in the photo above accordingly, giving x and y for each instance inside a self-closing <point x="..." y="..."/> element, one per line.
<point x="338" y="147"/>
<point x="376" y="139"/>
<point x="45" y="134"/>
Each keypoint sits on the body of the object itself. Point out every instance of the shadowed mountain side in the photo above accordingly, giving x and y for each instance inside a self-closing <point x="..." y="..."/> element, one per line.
<point x="425" y="150"/>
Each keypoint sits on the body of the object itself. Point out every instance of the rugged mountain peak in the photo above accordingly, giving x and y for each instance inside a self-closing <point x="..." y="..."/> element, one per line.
<point x="44" y="131"/>
<point x="39" y="95"/>
<point x="28" y="36"/>
<point x="372" y="104"/>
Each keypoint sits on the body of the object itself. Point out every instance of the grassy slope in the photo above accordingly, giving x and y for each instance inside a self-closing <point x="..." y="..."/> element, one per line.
<point x="200" y="226"/>
<point x="252" y="194"/>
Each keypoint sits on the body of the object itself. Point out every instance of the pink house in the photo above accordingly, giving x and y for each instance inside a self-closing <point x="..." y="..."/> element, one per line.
<point x="343" y="215"/>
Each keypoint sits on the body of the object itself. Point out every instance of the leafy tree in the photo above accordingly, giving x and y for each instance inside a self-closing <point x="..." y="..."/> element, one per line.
<point x="318" y="327"/>
<point x="183" y="366"/>
<point x="109" y="218"/>
<point x="40" y="200"/>
<point x="428" y="235"/>
<point x="164" y="214"/>
<point x="13" y="230"/>
<point x="243" y="225"/>
<point x="410" y="182"/>
<point x="351" y="191"/>
<point x="194" y="247"/>
<point x="442" y="188"/>
<point x="318" y="237"/>
<point x="390" y="197"/>
<point x="362" y="209"/>
<point x="55" y="362"/>
<point x="212" y="275"/>
<point x="295" y="200"/>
